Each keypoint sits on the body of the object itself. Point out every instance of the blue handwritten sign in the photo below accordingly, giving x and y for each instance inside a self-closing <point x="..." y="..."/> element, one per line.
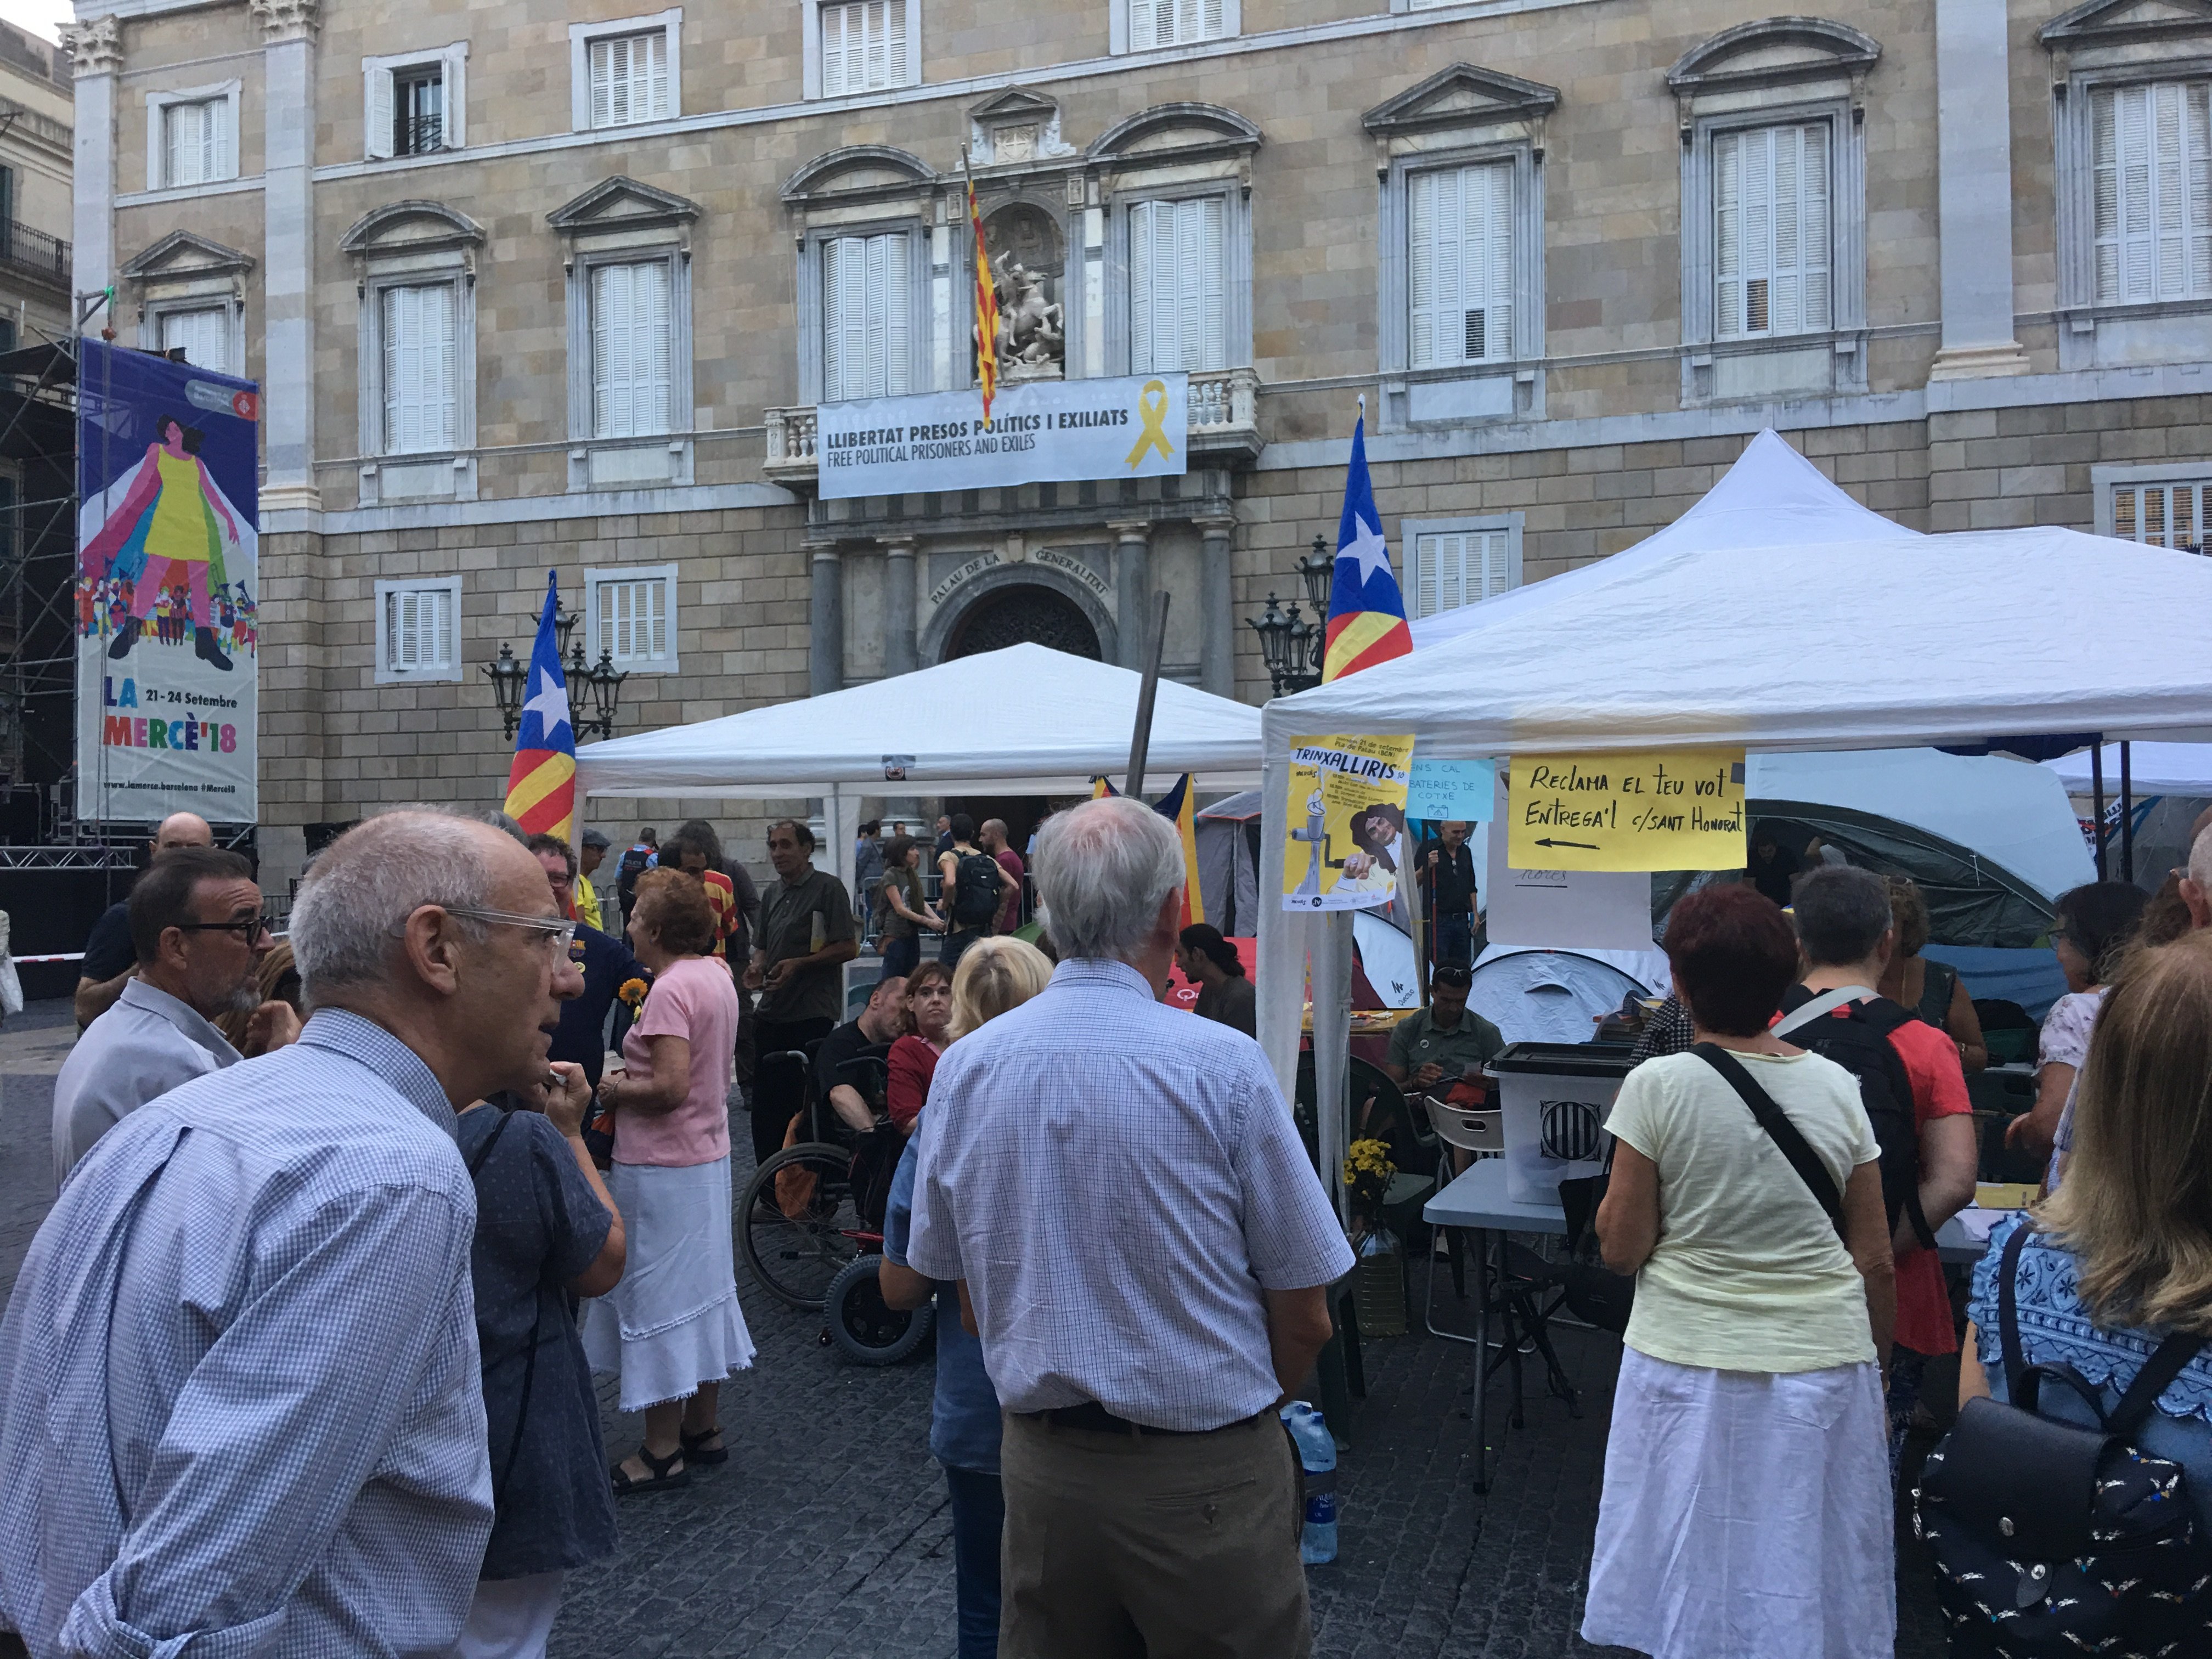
<point x="1449" y="789"/>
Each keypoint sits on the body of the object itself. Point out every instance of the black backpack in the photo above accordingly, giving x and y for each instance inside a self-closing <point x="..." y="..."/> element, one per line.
<point x="633" y="866"/>
<point x="1856" y="1037"/>
<point x="2051" y="1539"/>
<point x="975" y="889"/>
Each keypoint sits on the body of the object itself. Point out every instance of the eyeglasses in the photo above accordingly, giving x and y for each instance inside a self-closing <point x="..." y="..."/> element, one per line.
<point x="558" y="933"/>
<point x="252" y="926"/>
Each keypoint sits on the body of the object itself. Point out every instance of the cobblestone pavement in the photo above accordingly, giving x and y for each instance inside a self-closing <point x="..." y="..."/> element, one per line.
<point x="827" y="1535"/>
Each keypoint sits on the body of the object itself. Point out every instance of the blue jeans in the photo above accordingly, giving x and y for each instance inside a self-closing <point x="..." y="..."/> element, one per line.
<point x="900" y="956"/>
<point x="1454" y="937"/>
<point x="979" y="1517"/>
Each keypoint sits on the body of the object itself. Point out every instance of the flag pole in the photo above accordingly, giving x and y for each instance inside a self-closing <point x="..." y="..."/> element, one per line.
<point x="1140" y="740"/>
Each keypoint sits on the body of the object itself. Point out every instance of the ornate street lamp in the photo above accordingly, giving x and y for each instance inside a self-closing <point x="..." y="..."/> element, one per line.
<point x="603" y="682"/>
<point x="507" y="677"/>
<point x="600" y="682"/>
<point x="1318" y="571"/>
<point x="1286" y="644"/>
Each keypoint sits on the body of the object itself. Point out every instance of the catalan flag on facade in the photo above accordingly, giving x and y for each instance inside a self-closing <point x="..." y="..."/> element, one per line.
<point x="1180" y="807"/>
<point x="987" y="308"/>
<point x="1366" y="612"/>
<point x="541" y="785"/>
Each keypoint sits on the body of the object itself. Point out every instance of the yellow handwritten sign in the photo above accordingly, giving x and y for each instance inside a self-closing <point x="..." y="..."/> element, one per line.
<point x="1673" y="810"/>
<point x="1344" y="822"/>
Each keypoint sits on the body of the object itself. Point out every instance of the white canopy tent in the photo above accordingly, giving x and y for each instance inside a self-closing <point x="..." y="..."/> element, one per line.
<point x="1821" y="632"/>
<point x="1027" y="719"/>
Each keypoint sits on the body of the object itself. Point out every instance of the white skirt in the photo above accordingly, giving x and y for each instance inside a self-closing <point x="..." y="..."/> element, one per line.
<point x="673" y="1321"/>
<point x="1746" y="1516"/>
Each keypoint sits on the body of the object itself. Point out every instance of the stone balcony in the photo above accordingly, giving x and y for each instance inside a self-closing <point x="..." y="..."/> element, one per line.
<point x="1225" y="428"/>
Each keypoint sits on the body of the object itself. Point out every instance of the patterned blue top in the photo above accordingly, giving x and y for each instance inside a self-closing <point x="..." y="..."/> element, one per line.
<point x="1118" y="1182"/>
<point x="963" y="1414"/>
<point x="2054" y="1325"/>
<point x="240" y="1406"/>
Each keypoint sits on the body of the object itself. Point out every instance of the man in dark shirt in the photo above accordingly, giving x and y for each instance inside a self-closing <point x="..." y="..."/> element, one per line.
<point x="604" y="961"/>
<point x="1773" y="865"/>
<point x="806" y="936"/>
<point x="1448" y="885"/>
<point x="878" y="1027"/>
<point x="110" y="957"/>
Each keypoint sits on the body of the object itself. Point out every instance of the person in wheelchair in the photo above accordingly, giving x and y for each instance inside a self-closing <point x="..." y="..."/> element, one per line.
<point x="854" y="1093"/>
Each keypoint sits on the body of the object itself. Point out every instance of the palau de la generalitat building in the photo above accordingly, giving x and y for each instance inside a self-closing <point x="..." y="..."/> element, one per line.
<point x="532" y="284"/>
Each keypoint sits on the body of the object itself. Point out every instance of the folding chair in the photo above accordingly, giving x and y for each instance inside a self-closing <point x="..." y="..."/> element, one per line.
<point x="1480" y="1133"/>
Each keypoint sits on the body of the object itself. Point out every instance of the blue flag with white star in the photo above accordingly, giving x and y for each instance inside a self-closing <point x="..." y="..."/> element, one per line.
<point x="541" y="785"/>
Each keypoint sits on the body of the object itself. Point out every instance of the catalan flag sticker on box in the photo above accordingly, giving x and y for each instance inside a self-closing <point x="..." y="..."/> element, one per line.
<point x="1657" y="809"/>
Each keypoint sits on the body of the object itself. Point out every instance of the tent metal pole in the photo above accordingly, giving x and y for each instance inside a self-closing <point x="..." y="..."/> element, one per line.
<point x="2096" y="800"/>
<point x="2127" y="814"/>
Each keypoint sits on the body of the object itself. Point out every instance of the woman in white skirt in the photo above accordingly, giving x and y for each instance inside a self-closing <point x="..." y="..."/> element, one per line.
<point x="672" y="1330"/>
<point x="1746" y="1508"/>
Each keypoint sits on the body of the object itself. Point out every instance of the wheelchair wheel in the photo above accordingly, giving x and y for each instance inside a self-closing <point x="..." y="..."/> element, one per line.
<point x="795" y="1223"/>
<point x="865" y="1329"/>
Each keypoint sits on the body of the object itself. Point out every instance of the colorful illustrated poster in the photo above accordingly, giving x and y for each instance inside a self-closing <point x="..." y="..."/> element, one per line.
<point x="168" y="589"/>
<point x="1345" y="823"/>
<point x="1663" y="810"/>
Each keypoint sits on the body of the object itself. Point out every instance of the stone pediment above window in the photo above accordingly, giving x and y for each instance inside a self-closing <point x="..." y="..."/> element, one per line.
<point x="1775" y="53"/>
<point x="1016" y="127"/>
<point x="181" y="255"/>
<point x="1460" y="106"/>
<point x="403" y="229"/>
<point x="1177" y="132"/>
<point x="621" y="203"/>
<point x="859" y="173"/>
<point x="2116" y="22"/>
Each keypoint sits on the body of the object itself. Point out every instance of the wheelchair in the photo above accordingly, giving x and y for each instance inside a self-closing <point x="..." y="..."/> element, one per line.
<point x="810" y="1221"/>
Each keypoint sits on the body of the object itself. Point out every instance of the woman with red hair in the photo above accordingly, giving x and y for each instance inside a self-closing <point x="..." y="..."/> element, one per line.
<point x="1747" y="1504"/>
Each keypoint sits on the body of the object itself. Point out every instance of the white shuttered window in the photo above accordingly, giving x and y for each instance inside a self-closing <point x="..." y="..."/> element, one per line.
<point x="632" y="620"/>
<point x="421" y="368"/>
<point x="418" y="629"/>
<point x="864" y="47"/>
<point x="196" y="142"/>
<point x="2152" y="168"/>
<point x="1173" y="22"/>
<point x="1178" y="285"/>
<point x="632" y="378"/>
<point x="867" y="317"/>
<point x="1460" y="264"/>
<point x="1771" y="235"/>
<point x="2163" y="514"/>
<point x="1459" y="568"/>
<point x="629" y="79"/>
<point x="204" y="335"/>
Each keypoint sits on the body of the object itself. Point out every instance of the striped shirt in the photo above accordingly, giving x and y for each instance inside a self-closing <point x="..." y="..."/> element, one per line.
<point x="240" y="1403"/>
<point x="1118" y="1183"/>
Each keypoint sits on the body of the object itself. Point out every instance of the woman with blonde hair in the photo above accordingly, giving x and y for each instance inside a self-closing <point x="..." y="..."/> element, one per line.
<point x="996" y="975"/>
<point x="2121" y="1255"/>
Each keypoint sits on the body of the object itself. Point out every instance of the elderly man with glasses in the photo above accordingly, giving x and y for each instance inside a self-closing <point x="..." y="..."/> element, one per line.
<point x="196" y="923"/>
<point x="240" y="1406"/>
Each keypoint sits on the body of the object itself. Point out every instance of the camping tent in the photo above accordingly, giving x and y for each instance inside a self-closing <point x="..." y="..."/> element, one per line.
<point x="1557" y="996"/>
<point x="1025" y="718"/>
<point x="1228" y="834"/>
<point x="1828" y="634"/>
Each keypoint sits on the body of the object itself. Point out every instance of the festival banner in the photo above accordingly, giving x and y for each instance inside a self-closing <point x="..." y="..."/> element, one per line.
<point x="1661" y="810"/>
<point x="1344" y="822"/>
<point x="168" y="588"/>
<point x="1040" y="431"/>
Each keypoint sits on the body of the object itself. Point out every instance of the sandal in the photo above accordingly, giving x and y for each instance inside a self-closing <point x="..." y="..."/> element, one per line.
<point x="696" y="1450"/>
<point x="625" y="1483"/>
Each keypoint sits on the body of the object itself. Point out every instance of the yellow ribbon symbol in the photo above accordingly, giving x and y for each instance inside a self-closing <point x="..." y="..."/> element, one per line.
<point x="1152" y="408"/>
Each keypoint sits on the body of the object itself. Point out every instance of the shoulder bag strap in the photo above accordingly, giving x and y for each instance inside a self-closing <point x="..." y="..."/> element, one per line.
<point x="1776" y="1122"/>
<point x="2153" y="1380"/>
<point x="1826" y="1003"/>
<point x="2016" y="1360"/>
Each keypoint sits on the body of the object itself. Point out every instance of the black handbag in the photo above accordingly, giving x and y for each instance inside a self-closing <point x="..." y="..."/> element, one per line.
<point x="1595" y="1293"/>
<point x="2053" y="1538"/>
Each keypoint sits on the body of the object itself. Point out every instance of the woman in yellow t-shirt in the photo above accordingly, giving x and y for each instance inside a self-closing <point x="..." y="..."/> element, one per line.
<point x="1747" y="1504"/>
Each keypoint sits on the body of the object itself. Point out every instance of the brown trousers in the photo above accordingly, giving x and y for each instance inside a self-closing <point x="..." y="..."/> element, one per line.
<point x="1151" y="1546"/>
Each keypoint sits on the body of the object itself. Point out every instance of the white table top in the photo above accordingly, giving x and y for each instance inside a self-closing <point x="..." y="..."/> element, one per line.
<point x="1477" y="1199"/>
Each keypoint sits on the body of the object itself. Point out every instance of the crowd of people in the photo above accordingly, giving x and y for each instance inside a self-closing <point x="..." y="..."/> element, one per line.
<point x="302" y="1358"/>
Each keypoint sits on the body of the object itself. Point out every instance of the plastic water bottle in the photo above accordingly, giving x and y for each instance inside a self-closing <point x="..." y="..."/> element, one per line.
<point x="1318" y="1456"/>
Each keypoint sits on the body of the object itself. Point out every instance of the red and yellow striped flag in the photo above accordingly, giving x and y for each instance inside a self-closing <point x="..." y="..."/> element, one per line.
<point x="541" y="784"/>
<point x="987" y="311"/>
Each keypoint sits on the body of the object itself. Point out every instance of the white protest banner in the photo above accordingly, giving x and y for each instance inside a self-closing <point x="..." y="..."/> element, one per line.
<point x="1041" y="431"/>
<point x="1562" y="909"/>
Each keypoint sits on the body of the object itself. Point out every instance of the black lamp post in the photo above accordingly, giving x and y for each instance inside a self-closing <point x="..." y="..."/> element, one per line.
<point x="1318" y="570"/>
<point x="507" y="677"/>
<point x="1292" y="646"/>
<point x="600" y="682"/>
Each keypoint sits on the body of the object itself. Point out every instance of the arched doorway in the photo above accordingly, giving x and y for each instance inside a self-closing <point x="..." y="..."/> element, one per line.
<point x="1025" y="614"/>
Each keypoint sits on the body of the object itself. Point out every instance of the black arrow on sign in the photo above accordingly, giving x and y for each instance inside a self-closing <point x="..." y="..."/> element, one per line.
<point x="1587" y="846"/>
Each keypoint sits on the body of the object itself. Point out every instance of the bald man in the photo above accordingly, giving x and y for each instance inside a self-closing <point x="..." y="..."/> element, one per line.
<point x="109" y="959"/>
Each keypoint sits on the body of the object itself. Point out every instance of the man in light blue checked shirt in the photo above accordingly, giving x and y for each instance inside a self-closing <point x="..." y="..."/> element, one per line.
<point x="240" y="1411"/>
<point x="1145" y="1247"/>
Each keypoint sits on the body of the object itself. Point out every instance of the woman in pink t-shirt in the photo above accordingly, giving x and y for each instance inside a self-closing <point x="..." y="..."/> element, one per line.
<point x="672" y="1330"/>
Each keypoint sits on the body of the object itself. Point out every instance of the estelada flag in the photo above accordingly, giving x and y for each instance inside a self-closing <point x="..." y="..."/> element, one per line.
<point x="987" y="308"/>
<point x="1102" y="789"/>
<point x="1180" y="807"/>
<point x="541" y="785"/>
<point x="1366" y="612"/>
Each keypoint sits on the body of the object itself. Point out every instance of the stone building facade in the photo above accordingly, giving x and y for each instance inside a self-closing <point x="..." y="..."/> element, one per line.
<point x="35" y="117"/>
<point x="535" y="285"/>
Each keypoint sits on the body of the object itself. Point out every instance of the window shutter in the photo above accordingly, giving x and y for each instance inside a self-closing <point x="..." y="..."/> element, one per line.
<point x="2151" y="192"/>
<point x="204" y="335"/>
<point x="633" y="617"/>
<point x="2171" y="226"/>
<point x="1771" y="231"/>
<point x="1421" y="258"/>
<point x="898" y="315"/>
<point x="632" y="349"/>
<point x="1141" y="288"/>
<point x="2104" y="190"/>
<point x="1487" y="261"/>
<point x="657" y="102"/>
<point x="895" y="43"/>
<point x="629" y="79"/>
<point x="1178" y="285"/>
<point x="1815" y="232"/>
<point x="867" y="317"/>
<point x="376" y="100"/>
<point x="1728" y="233"/>
<point x="834" y="19"/>
<point x="1213" y="26"/>
<point x="420" y="368"/>
<point x="418" y="629"/>
<point x="1213" y="285"/>
<point x="1496" y="545"/>
<point x="1143" y="28"/>
<point x="601" y="56"/>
